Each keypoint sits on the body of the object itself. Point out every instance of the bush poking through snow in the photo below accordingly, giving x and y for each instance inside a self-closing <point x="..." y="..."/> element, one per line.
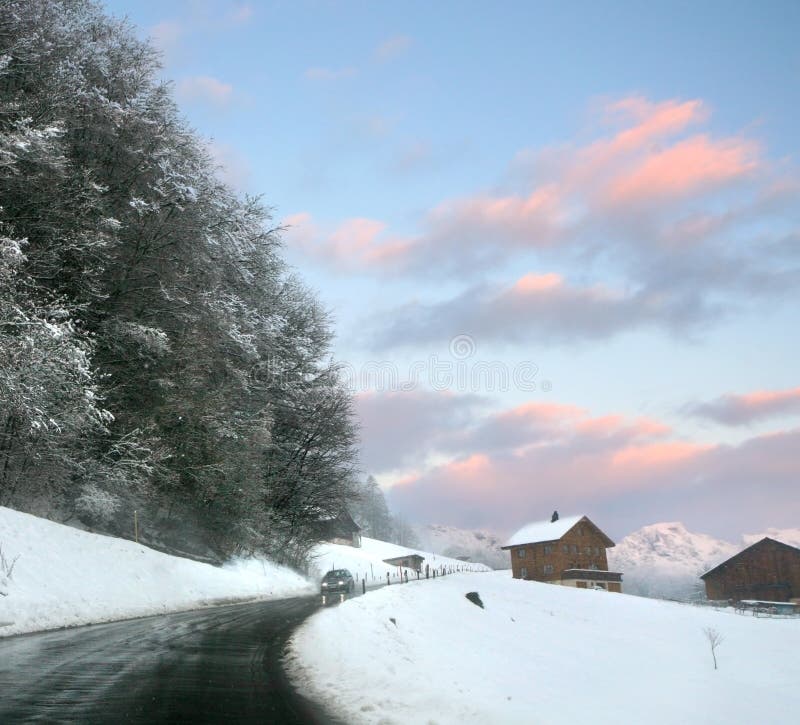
<point x="6" y="569"/>
<point x="715" y="639"/>
<point x="475" y="598"/>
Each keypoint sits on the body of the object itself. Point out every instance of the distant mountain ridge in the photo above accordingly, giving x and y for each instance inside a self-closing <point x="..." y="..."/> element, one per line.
<point x="665" y="560"/>
<point x="479" y="545"/>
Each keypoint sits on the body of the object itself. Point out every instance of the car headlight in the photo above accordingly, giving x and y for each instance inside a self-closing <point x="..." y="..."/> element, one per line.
<point x="340" y="583"/>
<point x="324" y="584"/>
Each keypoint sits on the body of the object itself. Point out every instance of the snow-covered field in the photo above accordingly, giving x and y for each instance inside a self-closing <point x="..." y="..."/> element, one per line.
<point x="64" y="577"/>
<point x="540" y="653"/>
<point x="366" y="562"/>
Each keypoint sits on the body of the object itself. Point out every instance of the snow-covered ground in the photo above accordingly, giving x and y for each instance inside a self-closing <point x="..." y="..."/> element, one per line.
<point x="64" y="577"/>
<point x="538" y="653"/>
<point x="366" y="562"/>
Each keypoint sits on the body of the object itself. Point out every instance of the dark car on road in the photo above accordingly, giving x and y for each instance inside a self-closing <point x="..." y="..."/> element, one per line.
<point x="337" y="581"/>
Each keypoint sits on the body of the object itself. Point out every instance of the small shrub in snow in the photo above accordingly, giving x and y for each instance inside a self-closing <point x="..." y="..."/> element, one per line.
<point x="6" y="569"/>
<point x="475" y="598"/>
<point x="715" y="639"/>
<point x="6" y="566"/>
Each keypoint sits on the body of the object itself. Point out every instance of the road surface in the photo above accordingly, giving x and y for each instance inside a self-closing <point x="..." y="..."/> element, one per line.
<point x="214" y="665"/>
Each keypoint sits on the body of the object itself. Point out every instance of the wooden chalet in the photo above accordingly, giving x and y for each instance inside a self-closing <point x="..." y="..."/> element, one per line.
<point x="768" y="571"/>
<point x="569" y="551"/>
<point x="340" y="529"/>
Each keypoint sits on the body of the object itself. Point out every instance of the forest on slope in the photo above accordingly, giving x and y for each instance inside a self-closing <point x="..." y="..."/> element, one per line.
<point x="157" y="355"/>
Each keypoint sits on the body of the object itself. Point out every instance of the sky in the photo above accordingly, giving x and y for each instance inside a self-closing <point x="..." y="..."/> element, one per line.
<point x="560" y="241"/>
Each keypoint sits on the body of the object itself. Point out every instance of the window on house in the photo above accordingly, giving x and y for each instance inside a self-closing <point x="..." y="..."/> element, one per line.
<point x="521" y="553"/>
<point x="565" y="548"/>
<point x="523" y="572"/>
<point x="596" y="551"/>
<point x="548" y="568"/>
<point x="588" y="550"/>
<point x="548" y="548"/>
<point x="574" y="548"/>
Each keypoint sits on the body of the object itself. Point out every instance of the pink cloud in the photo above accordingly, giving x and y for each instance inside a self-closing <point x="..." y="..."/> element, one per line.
<point x="750" y="407"/>
<point x="644" y="124"/>
<point x="644" y="459"/>
<point x="400" y="429"/>
<point x="472" y="468"/>
<point x="529" y="219"/>
<point x="691" y="165"/>
<point x="654" y="121"/>
<point x="645" y="160"/>
<point x="631" y="484"/>
<point x="551" y="412"/>
<point x="355" y="244"/>
<point x="651" y="197"/>
<point x="538" y="283"/>
<point x="609" y="425"/>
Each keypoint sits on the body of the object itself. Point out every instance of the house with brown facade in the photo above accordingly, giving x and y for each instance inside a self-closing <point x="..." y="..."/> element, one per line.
<point x="768" y="571"/>
<point x="569" y="551"/>
<point x="340" y="529"/>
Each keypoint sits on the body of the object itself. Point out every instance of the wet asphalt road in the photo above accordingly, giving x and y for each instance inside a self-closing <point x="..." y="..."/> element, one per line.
<point x="218" y="665"/>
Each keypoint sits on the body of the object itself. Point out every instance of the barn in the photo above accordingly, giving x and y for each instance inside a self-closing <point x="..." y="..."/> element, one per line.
<point x="768" y="570"/>
<point x="340" y="529"/>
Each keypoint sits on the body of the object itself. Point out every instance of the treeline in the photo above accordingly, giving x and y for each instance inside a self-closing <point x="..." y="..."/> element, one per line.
<point x="371" y="513"/>
<point x="156" y="354"/>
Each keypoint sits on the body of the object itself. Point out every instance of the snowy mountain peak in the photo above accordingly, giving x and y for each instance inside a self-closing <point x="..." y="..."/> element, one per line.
<point x="672" y="542"/>
<point x="666" y="560"/>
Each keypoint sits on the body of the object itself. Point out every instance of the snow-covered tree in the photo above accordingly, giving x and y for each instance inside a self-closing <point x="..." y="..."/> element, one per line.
<point x="157" y="294"/>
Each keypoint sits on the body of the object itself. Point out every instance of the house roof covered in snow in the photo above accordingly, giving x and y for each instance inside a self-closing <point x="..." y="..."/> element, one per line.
<point x="547" y="530"/>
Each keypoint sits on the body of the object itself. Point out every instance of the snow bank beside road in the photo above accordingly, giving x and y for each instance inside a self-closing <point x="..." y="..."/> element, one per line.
<point x="65" y="577"/>
<point x="540" y="653"/>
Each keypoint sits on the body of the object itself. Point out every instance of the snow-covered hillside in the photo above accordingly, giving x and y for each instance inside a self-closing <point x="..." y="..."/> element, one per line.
<point x="479" y="545"/>
<point x="64" y="577"/>
<point x="665" y="560"/>
<point x="366" y="562"/>
<point x="539" y="653"/>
